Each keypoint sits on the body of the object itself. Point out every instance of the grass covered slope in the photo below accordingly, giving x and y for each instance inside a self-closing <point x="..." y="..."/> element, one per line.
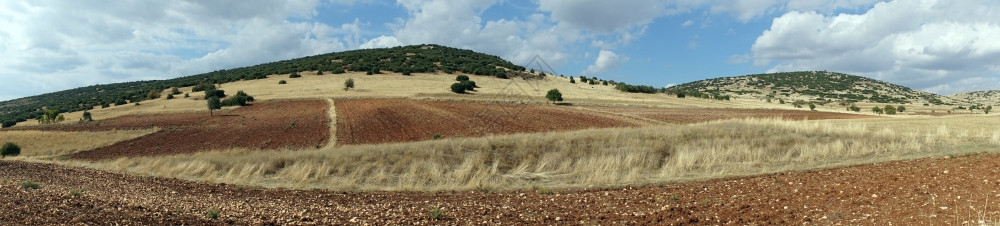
<point x="810" y="85"/>
<point x="987" y="97"/>
<point x="405" y="60"/>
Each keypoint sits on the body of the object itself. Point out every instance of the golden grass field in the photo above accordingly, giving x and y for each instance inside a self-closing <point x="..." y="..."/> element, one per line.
<point x="46" y="144"/>
<point x="575" y="159"/>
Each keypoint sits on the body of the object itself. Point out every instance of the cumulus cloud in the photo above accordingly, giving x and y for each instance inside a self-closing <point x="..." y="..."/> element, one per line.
<point x="929" y="45"/>
<point x="67" y="44"/>
<point x="606" y="61"/>
<point x="603" y="16"/>
<point x="746" y="10"/>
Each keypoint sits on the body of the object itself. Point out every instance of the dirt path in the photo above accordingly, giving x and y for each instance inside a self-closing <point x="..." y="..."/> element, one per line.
<point x="919" y="192"/>
<point x="333" y="122"/>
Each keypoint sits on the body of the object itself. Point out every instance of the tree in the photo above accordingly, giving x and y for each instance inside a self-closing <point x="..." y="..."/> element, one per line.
<point x="348" y="84"/>
<point x="469" y="85"/>
<point x="294" y="75"/>
<point x="987" y="109"/>
<point x="901" y="108"/>
<point x="8" y="124"/>
<point x="170" y="96"/>
<point x="213" y="104"/>
<point x="812" y="106"/>
<point x="554" y="95"/>
<point x="87" y="117"/>
<point x="604" y="82"/>
<point x="781" y="101"/>
<point x="458" y="87"/>
<point x="571" y="80"/>
<point x="877" y="110"/>
<point x="152" y="95"/>
<point x="240" y="99"/>
<point x="175" y="91"/>
<point x="462" y="78"/>
<point x="889" y="110"/>
<point x="320" y="72"/>
<point x="854" y="108"/>
<point x="10" y="149"/>
<point x="282" y="82"/>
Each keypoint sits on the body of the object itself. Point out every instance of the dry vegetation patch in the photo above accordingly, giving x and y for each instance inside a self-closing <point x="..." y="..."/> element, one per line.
<point x="56" y="143"/>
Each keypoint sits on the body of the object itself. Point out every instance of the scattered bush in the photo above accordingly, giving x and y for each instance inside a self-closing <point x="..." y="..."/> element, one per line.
<point x="571" y="80"/>
<point x="436" y="213"/>
<point x="436" y="137"/>
<point x="348" y="84"/>
<point x="554" y="95"/>
<point x="282" y="82"/>
<point x="152" y="95"/>
<point x="987" y="109"/>
<point x="87" y="117"/>
<point x="798" y="103"/>
<point x="469" y="85"/>
<point x="240" y="99"/>
<point x="458" y="87"/>
<point x="294" y="75"/>
<point x="186" y="95"/>
<point x="462" y="78"/>
<point x="901" y="108"/>
<point x="604" y="82"/>
<point x="781" y="101"/>
<point x="76" y="193"/>
<point x="170" y="96"/>
<point x="212" y="213"/>
<point x="28" y="184"/>
<point x="877" y="110"/>
<point x="320" y="72"/>
<point x="7" y="124"/>
<point x="202" y="87"/>
<point x="406" y="71"/>
<point x="175" y="91"/>
<point x="889" y="110"/>
<point x="854" y="108"/>
<point x="812" y="106"/>
<point x="680" y="95"/>
<point x="9" y="149"/>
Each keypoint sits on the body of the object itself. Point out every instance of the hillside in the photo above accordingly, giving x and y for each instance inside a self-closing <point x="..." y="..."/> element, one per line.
<point x="987" y="97"/>
<point x="405" y="60"/>
<point x="808" y="86"/>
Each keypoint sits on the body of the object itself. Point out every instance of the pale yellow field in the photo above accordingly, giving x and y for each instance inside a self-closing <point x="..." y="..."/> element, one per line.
<point x="44" y="144"/>
<point x="577" y="159"/>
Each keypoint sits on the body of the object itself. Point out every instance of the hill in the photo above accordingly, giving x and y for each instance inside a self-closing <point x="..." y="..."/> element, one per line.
<point x="809" y="86"/>
<point x="987" y="97"/>
<point x="405" y="60"/>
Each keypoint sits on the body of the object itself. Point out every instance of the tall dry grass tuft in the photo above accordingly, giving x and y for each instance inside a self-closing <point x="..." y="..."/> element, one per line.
<point x="603" y="157"/>
<point x="43" y="144"/>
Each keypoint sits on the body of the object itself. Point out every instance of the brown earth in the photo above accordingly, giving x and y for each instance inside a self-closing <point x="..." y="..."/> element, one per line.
<point x="372" y="121"/>
<point x="692" y="115"/>
<point x="397" y="120"/>
<point x="263" y="125"/>
<point x="916" y="192"/>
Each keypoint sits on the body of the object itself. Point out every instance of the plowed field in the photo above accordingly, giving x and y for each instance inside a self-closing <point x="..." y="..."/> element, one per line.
<point x="396" y="120"/>
<point x="932" y="191"/>
<point x="264" y="125"/>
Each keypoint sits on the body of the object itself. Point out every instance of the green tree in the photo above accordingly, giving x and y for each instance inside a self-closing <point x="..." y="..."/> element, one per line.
<point x="554" y="95"/>
<point x="10" y="149"/>
<point x="988" y="109"/>
<point x="854" y="108"/>
<point x="901" y="108"/>
<point x="889" y="110"/>
<point x="812" y="106"/>
<point x="8" y="124"/>
<point x="462" y="78"/>
<point x="87" y="117"/>
<point x="170" y="96"/>
<point x="152" y="95"/>
<point x="877" y="110"/>
<point x="282" y="82"/>
<point x="294" y="75"/>
<point x="349" y="84"/>
<point x="571" y="80"/>
<point x="458" y="87"/>
<point x="213" y="104"/>
<point x="175" y="91"/>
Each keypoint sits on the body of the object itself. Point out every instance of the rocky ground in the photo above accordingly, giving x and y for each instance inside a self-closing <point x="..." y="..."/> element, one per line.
<point x="964" y="189"/>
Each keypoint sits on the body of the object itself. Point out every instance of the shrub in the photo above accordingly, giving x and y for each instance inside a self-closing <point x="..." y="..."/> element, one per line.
<point x="680" y="95"/>
<point x="985" y="110"/>
<point x="458" y="87"/>
<point x="369" y="73"/>
<point x="175" y="91"/>
<point x="8" y="123"/>
<point x="87" y="117"/>
<point x="798" y="103"/>
<point x="348" y="84"/>
<point x="571" y="80"/>
<point x="212" y="213"/>
<point x="500" y="74"/>
<point x="282" y="82"/>
<point x="901" y="108"/>
<point x="436" y="213"/>
<point x="320" y="72"/>
<point x="202" y="87"/>
<point x="406" y="71"/>
<point x="337" y="71"/>
<point x="854" y="108"/>
<point x="554" y="95"/>
<point x="170" y="96"/>
<point x="781" y="101"/>
<point x="152" y="95"/>
<point x="469" y="85"/>
<point x="240" y="99"/>
<point x="294" y="75"/>
<point x="436" y="137"/>
<point x="604" y="82"/>
<point x="186" y="95"/>
<point x="218" y="93"/>
<point x="812" y="106"/>
<point x="105" y="105"/>
<point x="877" y="110"/>
<point x="889" y="110"/>
<point x="28" y="184"/>
<point x="9" y="149"/>
<point x="462" y="78"/>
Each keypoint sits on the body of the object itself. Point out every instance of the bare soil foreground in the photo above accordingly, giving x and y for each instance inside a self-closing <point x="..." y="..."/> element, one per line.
<point x="917" y="192"/>
<point x="693" y="115"/>
<point x="263" y="125"/>
<point x="372" y="121"/>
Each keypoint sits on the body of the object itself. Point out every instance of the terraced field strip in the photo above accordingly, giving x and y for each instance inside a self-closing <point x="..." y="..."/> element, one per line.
<point x="263" y="125"/>
<point x="373" y="121"/>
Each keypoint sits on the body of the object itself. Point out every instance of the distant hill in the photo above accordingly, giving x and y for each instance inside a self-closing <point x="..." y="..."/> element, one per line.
<point x="809" y="86"/>
<point x="405" y="60"/>
<point x="987" y="97"/>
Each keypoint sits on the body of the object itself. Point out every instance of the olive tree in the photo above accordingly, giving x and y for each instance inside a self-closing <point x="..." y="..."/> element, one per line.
<point x="554" y="95"/>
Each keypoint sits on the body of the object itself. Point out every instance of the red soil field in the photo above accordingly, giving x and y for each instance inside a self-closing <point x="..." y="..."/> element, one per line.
<point x="692" y="115"/>
<point x="263" y="125"/>
<point x="396" y="120"/>
<point x="932" y="191"/>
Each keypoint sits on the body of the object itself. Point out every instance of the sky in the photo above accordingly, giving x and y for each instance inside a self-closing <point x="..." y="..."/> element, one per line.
<point x="939" y="46"/>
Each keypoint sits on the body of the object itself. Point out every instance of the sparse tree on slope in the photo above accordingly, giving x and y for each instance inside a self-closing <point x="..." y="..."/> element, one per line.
<point x="349" y="84"/>
<point x="554" y="95"/>
<point x="213" y="104"/>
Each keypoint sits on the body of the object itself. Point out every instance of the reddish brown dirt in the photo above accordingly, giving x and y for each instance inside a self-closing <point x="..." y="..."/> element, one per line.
<point x="692" y="115"/>
<point x="264" y="125"/>
<point x="396" y="120"/>
<point x="918" y="192"/>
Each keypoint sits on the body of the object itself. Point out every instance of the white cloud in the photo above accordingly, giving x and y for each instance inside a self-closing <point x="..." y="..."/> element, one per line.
<point x="382" y="42"/>
<point x="67" y="44"/>
<point x="603" y="16"/>
<point x="606" y="61"/>
<point x="930" y="45"/>
<point x="687" y="23"/>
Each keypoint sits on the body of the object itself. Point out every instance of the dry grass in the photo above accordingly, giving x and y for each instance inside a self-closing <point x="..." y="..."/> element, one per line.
<point x="44" y="144"/>
<point x="603" y="157"/>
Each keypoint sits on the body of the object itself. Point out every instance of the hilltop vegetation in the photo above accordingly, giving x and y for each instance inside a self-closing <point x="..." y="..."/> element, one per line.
<point x="808" y="85"/>
<point x="988" y="97"/>
<point x="405" y="60"/>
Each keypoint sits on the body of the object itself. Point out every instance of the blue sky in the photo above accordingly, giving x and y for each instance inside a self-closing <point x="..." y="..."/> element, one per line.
<point x="940" y="46"/>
